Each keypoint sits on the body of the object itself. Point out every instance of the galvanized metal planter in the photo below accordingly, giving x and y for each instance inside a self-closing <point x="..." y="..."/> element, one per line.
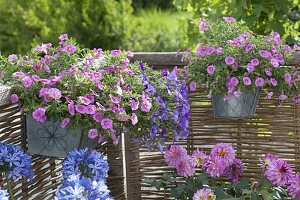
<point x="240" y="107"/>
<point x="51" y="140"/>
<point x="5" y="92"/>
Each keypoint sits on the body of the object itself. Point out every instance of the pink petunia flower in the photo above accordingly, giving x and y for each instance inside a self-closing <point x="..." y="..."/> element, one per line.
<point x="134" y="119"/>
<point x="264" y="53"/>
<point x="229" y="60"/>
<point x="115" y="52"/>
<point x="40" y="115"/>
<point x="268" y="71"/>
<point x="65" y="122"/>
<point x="107" y="123"/>
<point x="211" y="69"/>
<point x="93" y="133"/>
<point x="71" y="108"/>
<point x="259" y="82"/>
<point x="193" y="86"/>
<point x="91" y="109"/>
<point x="69" y="49"/>
<point x="27" y="82"/>
<point x="247" y="81"/>
<point x="54" y="93"/>
<point x="81" y="108"/>
<point x="254" y="61"/>
<point x="146" y="105"/>
<point x="229" y="19"/>
<point x="97" y="117"/>
<point x="274" y="62"/>
<point x="14" y="98"/>
<point x="250" y="68"/>
<point x="12" y="57"/>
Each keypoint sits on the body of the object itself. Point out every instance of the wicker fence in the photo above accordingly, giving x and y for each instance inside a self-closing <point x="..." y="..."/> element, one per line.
<point x="274" y="129"/>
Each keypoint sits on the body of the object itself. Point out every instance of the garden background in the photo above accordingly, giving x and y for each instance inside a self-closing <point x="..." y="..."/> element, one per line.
<point x="137" y="25"/>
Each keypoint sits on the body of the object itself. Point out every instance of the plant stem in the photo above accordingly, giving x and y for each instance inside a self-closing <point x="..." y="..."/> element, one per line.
<point x="9" y="187"/>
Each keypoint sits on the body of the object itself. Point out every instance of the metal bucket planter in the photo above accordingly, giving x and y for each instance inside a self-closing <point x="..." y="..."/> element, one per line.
<point x="5" y="92"/>
<point x="51" y="140"/>
<point x="240" y="107"/>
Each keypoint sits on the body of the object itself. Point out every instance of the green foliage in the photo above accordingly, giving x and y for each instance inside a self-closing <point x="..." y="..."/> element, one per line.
<point x="242" y="190"/>
<point x="146" y="4"/>
<point x="154" y="30"/>
<point x="95" y="23"/>
<point x="262" y="17"/>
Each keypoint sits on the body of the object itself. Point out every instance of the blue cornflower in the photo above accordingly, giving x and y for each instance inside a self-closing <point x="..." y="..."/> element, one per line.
<point x="85" y="163"/>
<point x="4" y="195"/>
<point x="81" y="188"/>
<point x="15" y="162"/>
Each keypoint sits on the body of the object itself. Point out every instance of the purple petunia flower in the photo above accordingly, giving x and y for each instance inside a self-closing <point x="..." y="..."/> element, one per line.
<point x="54" y="93"/>
<point x="97" y="117"/>
<point x="186" y="166"/>
<point x="40" y="115"/>
<point x="174" y="155"/>
<point x="199" y="156"/>
<point x="225" y="152"/>
<point x="247" y="80"/>
<point x="115" y="52"/>
<point x="93" y="133"/>
<point x="114" y="99"/>
<point x="288" y="78"/>
<point x="287" y="48"/>
<point x="71" y="108"/>
<point x="12" y="57"/>
<point x="248" y="47"/>
<point x="213" y="165"/>
<point x="264" y="53"/>
<point x="237" y="93"/>
<point x="84" y="100"/>
<point x="229" y="60"/>
<point x="274" y="62"/>
<point x="146" y="105"/>
<point x="81" y="108"/>
<point x="273" y="82"/>
<point x="63" y="37"/>
<point x="65" y="122"/>
<point x="203" y="25"/>
<point x="234" y="81"/>
<point x="69" y="49"/>
<point x="282" y="97"/>
<point x="134" y="104"/>
<point x="234" y="171"/>
<point x="210" y="51"/>
<point x="279" y="172"/>
<point x="27" y="82"/>
<point x="254" y="61"/>
<point x="211" y="69"/>
<point x="134" y="119"/>
<point x="107" y="123"/>
<point x="250" y="68"/>
<point x="91" y="109"/>
<point x="269" y="95"/>
<point x="229" y="19"/>
<point x="294" y="186"/>
<point x="204" y="194"/>
<point x="219" y="51"/>
<point x="259" y="82"/>
<point x="193" y="86"/>
<point x="268" y="71"/>
<point x="14" y="98"/>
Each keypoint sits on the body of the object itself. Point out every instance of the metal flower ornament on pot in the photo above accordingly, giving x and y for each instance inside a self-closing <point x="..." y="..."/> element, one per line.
<point x="236" y="67"/>
<point x="75" y="98"/>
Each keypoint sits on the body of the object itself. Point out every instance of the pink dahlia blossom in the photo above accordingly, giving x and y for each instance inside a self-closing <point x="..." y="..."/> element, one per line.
<point x="174" y="155"/>
<point x="213" y="165"/>
<point x="204" y="194"/>
<point x="294" y="186"/>
<point x="225" y="152"/>
<point x="186" y="166"/>
<point x="279" y="172"/>
<point x="234" y="171"/>
<point x="199" y="156"/>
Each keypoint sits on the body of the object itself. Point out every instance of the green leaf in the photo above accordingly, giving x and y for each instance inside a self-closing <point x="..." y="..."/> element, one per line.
<point x="176" y="192"/>
<point x="221" y="194"/>
<point x="266" y="195"/>
<point x="254" y="196"/>
<point x="243" y="184"/>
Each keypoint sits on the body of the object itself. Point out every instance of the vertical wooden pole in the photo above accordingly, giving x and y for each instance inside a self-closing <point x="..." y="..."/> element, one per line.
<point x="132" y="175"/>
<point x="115" y="174"/>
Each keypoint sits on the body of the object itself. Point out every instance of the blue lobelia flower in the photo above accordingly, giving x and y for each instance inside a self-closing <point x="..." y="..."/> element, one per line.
<point x="85" y="163"/>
